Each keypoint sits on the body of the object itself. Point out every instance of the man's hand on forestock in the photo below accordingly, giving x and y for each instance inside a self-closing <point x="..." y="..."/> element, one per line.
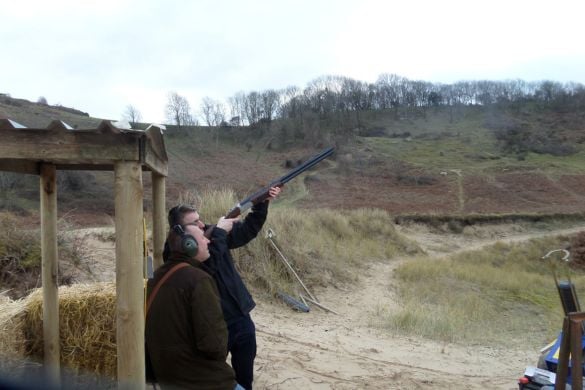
<point x="273" y="192"/>
<point x="226" y="223"/>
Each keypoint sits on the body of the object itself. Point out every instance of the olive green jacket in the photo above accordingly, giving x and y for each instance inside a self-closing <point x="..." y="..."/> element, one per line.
<point x="185" y="332"/>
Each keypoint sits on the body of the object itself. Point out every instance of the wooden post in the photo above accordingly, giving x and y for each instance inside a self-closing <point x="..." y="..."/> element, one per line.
<point x="49" y="255"/>
<point x="564" y="351"/>
<point x="571" y="349"/>
<point x="576" y="330"/>
<point x="129" y="279"/>
<point x="159" y="219"/>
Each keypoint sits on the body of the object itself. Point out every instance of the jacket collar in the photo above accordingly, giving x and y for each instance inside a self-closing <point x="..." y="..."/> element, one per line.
<point x="175" y="258"/>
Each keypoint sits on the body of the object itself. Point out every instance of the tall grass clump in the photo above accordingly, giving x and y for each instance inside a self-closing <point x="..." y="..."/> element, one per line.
<point x="498" y="294"/>
<point x="324" y="246"/>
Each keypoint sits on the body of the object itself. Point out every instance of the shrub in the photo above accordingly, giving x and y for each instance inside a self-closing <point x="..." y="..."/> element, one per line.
<point x="578" y="250"/>
<point x="20" y="256"/>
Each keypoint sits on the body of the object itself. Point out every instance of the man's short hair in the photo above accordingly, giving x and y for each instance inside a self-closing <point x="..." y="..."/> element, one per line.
<point x="177" y="213"/>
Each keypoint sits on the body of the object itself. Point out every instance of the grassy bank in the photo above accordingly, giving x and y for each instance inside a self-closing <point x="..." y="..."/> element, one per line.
<point x="325" y="246"/>
<point x="500" y="294"/>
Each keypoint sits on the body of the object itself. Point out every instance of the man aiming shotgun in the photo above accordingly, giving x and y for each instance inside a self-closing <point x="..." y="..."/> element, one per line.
<point x="230" y="233"/>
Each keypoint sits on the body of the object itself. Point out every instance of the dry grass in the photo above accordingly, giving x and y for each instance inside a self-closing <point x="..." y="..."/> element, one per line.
<point x="86" y="327"/>
<point x="20" y="254"/>
<point x="499" y="294"/>
<point x="12" y="340"/>
<point x="323" y="245"/>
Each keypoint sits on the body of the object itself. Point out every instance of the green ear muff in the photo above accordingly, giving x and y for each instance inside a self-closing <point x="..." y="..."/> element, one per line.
<point x="188" y="242"/>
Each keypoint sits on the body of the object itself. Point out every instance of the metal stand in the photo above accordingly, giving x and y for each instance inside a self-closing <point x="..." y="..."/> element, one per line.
<point x="311" y="298"/>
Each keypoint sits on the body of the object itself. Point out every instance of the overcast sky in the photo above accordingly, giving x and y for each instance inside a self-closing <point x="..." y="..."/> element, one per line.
<point x="101" y="56"/>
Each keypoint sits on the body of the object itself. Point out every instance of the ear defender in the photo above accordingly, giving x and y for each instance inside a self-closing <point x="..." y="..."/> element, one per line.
<point x="188" y="242"/>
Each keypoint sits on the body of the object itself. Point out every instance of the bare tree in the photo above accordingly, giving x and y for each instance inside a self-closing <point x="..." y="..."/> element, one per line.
<point x="42" y="100"/>
<point x="213" y="111"/>
<point x="291" y="106"/>
<point x="132" y="114"/>
<point x="178" y="110"/>
<point x="218" y="113"/>
<point x="270" y="103"/>
<point x="252" y="106"/>
<point x="207" y="106"/>
<point x="237" y="108"/>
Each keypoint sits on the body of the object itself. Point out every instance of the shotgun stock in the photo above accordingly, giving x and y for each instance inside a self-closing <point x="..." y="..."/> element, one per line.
<point x="262" y="194"/>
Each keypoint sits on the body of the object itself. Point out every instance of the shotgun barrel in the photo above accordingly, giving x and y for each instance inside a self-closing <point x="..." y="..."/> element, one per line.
<point x="262" y="194"/>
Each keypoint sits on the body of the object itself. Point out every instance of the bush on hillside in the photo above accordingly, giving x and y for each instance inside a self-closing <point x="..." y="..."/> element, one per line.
<point x="521" y="138"/>
<point x="578" y="250"/>
<point x="20" y="256"/>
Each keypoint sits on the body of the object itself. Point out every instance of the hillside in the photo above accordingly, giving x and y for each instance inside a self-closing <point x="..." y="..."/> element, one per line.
<point x="469" y="162"/>
<point x="461" y="160"/>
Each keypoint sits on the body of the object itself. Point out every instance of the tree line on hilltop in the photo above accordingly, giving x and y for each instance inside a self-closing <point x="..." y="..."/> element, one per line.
<point x="338" y="95"/>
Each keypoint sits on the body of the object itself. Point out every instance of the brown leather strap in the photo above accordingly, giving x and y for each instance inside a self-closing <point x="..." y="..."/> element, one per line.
<point x="160" y="283"/>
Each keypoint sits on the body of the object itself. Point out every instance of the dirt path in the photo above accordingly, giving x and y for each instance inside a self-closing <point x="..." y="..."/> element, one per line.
<point x="321" y="350"/>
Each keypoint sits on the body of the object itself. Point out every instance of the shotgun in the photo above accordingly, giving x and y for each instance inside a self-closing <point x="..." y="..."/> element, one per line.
<point x="262" y="194"/>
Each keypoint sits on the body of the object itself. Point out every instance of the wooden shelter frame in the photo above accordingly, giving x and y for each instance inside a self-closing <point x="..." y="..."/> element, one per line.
<point x="127" y="152"/>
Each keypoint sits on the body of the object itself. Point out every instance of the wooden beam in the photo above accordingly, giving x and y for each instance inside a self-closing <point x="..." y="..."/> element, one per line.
<point x="19" y="166"/>
<point x="154" y="134"/>
<point x="129" y="279"/>
<point x="159" y="219"/>
<point x="150" y="158"/>
<point x="50" y="272"/>
<point x="68" y="147"/>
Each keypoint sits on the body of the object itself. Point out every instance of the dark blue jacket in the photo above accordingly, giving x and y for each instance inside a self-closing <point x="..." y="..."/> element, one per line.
<point x="236" y="300"/>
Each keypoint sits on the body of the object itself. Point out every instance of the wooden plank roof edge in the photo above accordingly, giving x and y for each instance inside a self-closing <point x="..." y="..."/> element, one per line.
<point x="9" y="124"/>
<point x="59" y="125"/>
<point x="154" y="133"/>
<point x="105" y="126"/>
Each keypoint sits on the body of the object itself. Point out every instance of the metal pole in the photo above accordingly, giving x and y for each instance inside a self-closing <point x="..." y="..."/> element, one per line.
<point x="271" y="234"/>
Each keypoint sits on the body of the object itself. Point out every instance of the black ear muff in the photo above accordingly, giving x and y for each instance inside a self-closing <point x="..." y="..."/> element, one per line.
<point x="188" y="242"/>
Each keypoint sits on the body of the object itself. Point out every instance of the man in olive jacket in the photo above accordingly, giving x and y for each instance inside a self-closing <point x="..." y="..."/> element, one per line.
<point x="186" y="335"/>
<point x="236" y="300"/>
